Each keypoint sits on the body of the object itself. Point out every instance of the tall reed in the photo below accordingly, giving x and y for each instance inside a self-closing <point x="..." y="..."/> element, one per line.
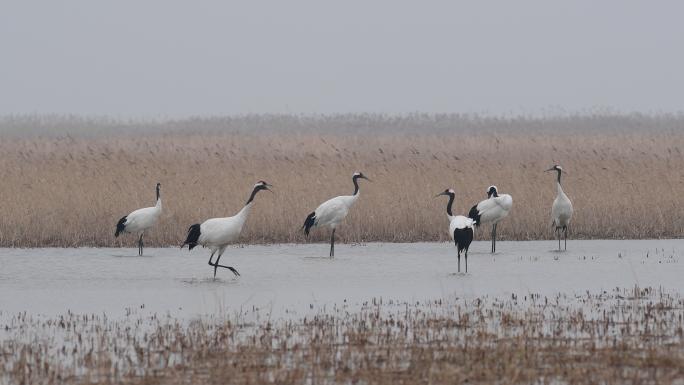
<point x="69" y="192"/>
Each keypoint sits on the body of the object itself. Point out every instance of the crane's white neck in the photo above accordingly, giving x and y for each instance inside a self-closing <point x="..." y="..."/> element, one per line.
<point x="242" y="215"/>
<point x="349" y="200"/>
<point x="560" y="190"/>
<point x="158" y="206"/>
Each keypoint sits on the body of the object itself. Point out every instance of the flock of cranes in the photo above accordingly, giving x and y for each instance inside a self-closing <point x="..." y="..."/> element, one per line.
<point x="218" y="233"/>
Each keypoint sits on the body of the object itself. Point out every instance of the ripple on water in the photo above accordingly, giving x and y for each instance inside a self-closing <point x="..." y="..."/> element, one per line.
<point x="218" y="281"/>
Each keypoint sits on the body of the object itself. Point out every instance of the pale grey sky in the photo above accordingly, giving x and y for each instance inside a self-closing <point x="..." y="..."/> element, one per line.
<point x="171" y="59"/>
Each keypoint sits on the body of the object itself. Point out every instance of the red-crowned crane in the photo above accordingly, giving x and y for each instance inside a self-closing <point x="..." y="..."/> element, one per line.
<point x="494" y="209"/>
<point x="460" y="229"/>
<point x="561" y="210"/>
<point x="218" y="233"/>
<point x="140" y="221"/>
<point x="332" y="212"/>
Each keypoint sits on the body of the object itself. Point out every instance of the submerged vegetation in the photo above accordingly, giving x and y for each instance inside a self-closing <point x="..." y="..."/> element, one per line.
<point x="70" y="191"/>
<point x="630" y="335"/>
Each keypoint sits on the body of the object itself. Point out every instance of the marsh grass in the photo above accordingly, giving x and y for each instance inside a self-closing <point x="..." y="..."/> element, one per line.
<point x="70" y="192"/>
<point x="631" y="336"/>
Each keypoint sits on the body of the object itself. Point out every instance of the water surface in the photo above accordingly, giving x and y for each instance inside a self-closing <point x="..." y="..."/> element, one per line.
<point x="297" y="280"/>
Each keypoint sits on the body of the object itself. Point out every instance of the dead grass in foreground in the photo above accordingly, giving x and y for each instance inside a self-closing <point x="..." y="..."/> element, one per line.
<point x="629" y="336"/>
<point x="71" y="192"/>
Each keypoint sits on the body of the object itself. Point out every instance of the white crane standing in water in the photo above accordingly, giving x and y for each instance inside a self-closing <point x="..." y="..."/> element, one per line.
<point x="460" y="229"/>
<point x="494" y="209"/>
<point x="561" y="210"/>
<point x="140" y="221"/>
<point x="218" y="233"/>
<point x="332" y="212"/>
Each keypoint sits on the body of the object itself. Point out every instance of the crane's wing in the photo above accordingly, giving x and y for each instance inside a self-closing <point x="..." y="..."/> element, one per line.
<point x="561" y="211"/>
<point x="460" y="222"/>
<point x="141" y="219"/>
<point x="494" y="209"/>
<point x="330" y="212"/>
<point x="219" y="231"/>
<point x="505" y="201"/>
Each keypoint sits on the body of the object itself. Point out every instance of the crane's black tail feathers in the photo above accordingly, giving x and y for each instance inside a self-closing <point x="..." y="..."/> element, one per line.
<point x="308" y="223"/>
<point x="193" y="236"/>
<point x="463" y="238"/>
<point x="120" y="226"/>
<point x="474" y="214"/>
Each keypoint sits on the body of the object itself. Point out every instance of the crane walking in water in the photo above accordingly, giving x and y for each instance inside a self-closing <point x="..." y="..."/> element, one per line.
<point x="460" y="229"/>
<point x="561" y="210"/>
<point x="140" y="221"/>
<point x="217" y="233"/>
<point x="494" y="209"/>
<point x="332" y="212"/>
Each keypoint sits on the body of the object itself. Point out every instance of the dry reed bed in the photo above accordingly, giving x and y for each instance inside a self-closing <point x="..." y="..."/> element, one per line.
<point x="629" y="336"/>
<point x="71" y="192"/>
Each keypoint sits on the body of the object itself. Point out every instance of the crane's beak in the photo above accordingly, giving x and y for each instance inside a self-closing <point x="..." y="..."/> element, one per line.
<point x="551" y="169"/>
<point x="269" y="185"/>
<point x="263" y="187"/>
<point x="442" y="193"/>
<point x="366" y="178"/>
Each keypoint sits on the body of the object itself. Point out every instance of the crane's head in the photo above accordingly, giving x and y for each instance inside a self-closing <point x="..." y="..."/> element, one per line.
<point x="261" y="185"/>
<point x="448" y="191"/>
<point x="158" y="186"/>
<point x="492" y="191"/>
<point x="359" y="175"/>
<point x="559" y="169"/>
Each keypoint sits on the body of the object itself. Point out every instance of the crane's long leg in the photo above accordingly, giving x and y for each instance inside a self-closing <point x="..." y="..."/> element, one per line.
<point x="459" y="261"/>
<point x="559" y="237"/>
<point x="210" y="263"/>
<point x="140" y="245"/>
<point x="494" y="238"/>
<point x="466" y="256"/>
<point x="332" y="244"/>
<point x="566" y="238"/>
<point x="216" y="265"/>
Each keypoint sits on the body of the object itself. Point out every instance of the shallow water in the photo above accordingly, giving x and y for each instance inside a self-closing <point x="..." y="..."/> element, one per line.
<point x="297" y="280"/>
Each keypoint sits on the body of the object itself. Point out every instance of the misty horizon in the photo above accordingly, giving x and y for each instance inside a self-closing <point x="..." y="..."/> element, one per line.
<point x="170" y="61"/>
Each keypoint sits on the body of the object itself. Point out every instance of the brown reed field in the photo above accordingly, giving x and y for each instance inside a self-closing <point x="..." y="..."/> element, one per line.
<point x="627" y="336"/>
<point x="71" y="191"/>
